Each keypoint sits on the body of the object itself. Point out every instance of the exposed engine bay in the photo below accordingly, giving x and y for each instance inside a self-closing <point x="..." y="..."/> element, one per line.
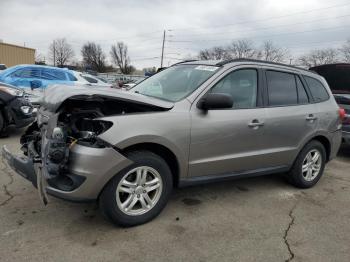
<point x="49" y="140"/>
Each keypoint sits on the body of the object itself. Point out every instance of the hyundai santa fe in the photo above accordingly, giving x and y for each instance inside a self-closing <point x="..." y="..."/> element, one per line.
<point x="194" y="122"/>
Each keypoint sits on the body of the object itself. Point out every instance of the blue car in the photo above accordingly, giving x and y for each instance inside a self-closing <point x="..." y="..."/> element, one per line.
<point x="36" y="76"/>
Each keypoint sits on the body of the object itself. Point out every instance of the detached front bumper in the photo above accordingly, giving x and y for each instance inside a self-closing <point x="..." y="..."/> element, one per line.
<point x="91" y="167"/>
<point x="21" y="165"/>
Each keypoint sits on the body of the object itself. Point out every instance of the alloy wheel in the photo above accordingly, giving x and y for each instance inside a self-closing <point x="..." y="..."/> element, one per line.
<point x="139" y="190"/>
<point x="312" y="165"/>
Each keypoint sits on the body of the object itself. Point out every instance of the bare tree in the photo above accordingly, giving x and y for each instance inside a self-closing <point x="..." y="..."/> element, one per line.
<point x="215" y="53"/>
<point x="242" y="49"/>
<point x="319" y="57"/>
<point x="270" y="52"/>
<point x="60" y="52"/>
<point x="121" y="58"/>
<point x="93" y="56"/>
<point x="345" y="51"/>
<point x="39" y="59"/>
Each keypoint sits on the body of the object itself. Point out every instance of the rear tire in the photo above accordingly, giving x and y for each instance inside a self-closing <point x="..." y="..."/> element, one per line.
<point x="309" y="165"/>
<point x="139" y="192"/>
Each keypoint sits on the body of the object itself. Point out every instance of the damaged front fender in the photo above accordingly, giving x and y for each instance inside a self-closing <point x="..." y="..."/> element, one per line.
<point x="64" y="153"/>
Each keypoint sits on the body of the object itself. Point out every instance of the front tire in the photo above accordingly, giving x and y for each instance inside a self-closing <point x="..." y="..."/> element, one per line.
<point x="138" y="193"/>
<point x="309" y="165"/>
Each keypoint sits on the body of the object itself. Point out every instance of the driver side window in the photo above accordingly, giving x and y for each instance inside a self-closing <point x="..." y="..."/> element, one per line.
<point x="242" y="85"/>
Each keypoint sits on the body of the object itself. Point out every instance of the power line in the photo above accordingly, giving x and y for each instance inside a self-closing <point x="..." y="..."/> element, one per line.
<point x="265" y="28"/>
<point x="302" y="45"/>
<point x="264" y="19"/>
<point x="146" y="58"/>
<point x="262" y="36"/>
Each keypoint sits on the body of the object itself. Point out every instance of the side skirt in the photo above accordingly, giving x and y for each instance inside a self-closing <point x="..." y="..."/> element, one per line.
<point x="199" y="180"/>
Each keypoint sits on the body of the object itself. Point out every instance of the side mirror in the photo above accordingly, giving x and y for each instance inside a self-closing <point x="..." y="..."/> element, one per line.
<point x="35" y="84"/>
<point x="215" y="101"/>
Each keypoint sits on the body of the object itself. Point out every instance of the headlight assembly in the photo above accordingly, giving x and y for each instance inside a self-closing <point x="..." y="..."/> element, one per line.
<point x="26" y="109"/>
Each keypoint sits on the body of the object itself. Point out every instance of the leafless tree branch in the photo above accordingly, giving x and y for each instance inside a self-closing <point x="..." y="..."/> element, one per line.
<point x="93" y="56"/>
<point x="60" y="51"/>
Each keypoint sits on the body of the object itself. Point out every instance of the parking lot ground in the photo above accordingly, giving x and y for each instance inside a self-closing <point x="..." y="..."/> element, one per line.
<point x="255" y="219"/>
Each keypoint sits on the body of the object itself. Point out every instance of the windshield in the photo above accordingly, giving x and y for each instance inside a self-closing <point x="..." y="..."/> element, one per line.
<point x="176" y="82"/>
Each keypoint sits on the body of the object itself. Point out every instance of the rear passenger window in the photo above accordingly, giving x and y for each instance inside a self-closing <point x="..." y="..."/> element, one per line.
<point x="52" y="74"/>
<point x="302" y="95"/>
<point x="318" y="91"/>
<point x="282" y="88"/>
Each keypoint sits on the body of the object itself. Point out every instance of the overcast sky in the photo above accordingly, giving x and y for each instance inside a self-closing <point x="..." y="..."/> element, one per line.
<point x="299" y="25"/>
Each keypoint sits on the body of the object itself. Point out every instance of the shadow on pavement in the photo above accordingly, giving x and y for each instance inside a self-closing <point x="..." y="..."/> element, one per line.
<point x="344" y="151"/>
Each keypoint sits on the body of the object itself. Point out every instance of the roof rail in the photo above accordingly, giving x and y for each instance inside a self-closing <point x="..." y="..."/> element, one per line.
<point x="258" y="61"/>
<point x="185" y="61"/>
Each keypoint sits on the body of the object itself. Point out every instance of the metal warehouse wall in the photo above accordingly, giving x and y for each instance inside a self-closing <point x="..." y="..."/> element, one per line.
<point x="11" y="55"/>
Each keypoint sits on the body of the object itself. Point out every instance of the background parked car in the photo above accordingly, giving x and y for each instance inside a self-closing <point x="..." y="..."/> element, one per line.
<point x="2" y="67"/>
<point x="88" y="79"/>
<point x="338" y="78"/>
<point x="36" y="76"/>
<point x="131" y="84"/>
<point x="14" y="108"/>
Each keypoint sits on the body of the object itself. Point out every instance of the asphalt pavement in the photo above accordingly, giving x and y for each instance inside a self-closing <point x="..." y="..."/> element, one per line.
<point x="255" y="219"/>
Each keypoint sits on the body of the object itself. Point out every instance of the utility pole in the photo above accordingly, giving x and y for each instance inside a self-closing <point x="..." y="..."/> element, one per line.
<point x="161" y="61"/>
<point x="54" y="53"/>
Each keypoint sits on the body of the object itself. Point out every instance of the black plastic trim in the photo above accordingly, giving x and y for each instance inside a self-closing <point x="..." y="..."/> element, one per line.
<point x="199" y="180"/>
<point x="69" y="198"/>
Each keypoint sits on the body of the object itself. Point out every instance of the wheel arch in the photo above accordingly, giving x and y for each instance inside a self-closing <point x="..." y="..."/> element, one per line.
<point x="324" y="140"/>
<point x="164" y="152"/>
<point x="326" y="143"/>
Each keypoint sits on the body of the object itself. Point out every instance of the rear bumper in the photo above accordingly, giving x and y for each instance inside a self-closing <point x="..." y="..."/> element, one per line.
<point x="95" y="165"/>
<point x="336" y="139"/>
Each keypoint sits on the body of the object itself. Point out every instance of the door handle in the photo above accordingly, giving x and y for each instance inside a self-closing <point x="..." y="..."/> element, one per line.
<point x="311" y="117"/>
<point x="255" y="124"/>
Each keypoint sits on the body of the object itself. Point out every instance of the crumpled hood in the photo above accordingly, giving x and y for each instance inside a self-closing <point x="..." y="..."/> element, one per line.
<point x="55" y="95"/>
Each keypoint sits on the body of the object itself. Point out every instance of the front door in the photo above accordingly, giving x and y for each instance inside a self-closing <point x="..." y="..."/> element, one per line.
<point x="230" y="140"/>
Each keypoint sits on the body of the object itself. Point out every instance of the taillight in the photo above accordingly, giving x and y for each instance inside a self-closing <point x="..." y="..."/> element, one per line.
<point x="342" y="113"/>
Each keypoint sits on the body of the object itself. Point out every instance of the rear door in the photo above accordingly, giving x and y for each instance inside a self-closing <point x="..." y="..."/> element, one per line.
<point x="291" y="117"/>
<point x="51" y="76"/>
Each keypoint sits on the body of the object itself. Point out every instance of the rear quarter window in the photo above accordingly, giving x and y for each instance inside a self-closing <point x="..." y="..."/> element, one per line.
<point x="317" y="89"/>
<point x="52" y="74"/>
<point x="71" y="77"/>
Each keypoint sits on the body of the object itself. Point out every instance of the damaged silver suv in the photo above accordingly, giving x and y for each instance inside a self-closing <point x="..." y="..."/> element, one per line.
<point x="195" y="122"/>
